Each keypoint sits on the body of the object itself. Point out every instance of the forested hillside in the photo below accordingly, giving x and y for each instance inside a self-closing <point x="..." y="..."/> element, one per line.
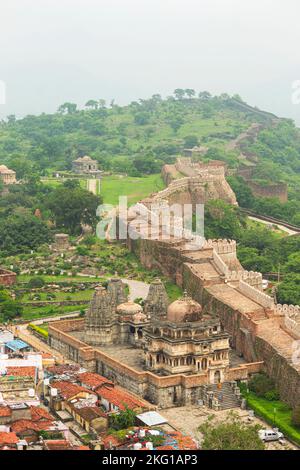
<point x="135" y="139"/>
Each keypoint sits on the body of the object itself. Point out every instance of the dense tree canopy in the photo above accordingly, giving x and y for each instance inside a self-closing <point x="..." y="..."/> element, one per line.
<point x="71" y="207"/>
<point x="230" y="434"/>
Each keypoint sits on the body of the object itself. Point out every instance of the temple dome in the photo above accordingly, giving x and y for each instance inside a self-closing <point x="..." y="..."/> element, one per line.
<point x="139" y="317"/>
<point x="129" y="308"/>
<point x="184" y="310"/>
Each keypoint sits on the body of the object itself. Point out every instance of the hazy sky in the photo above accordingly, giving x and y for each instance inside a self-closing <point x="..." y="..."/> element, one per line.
<point x="54" y="51"/>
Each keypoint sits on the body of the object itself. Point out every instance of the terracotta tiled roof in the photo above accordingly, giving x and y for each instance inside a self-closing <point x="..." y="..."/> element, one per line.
<point x="63" y="369"/>
<point x="58" y="445"/>
<point x="93" y="380"/>
<point x="23" y="425"/>
<point x="21" y="371"/>
<point x="8" y="438"/>
<point x="69" y="389"/>
<point x="5" y="411"/>
<point x="89" y="413"/>
<point x="120" y="398"/>
<point x="38" y="414"/>
<point x="81" y="448"/>
<point x="111" y="441"/>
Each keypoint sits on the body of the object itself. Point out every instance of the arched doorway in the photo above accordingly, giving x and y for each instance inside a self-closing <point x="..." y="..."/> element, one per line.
<point x="217" y="377"/>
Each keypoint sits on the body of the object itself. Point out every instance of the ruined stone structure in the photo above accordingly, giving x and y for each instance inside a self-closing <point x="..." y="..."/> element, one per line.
<point x="86" y="166"/>
<point x="195" y="152"/>
<point x="275" y="190"/>
<point x="7" y="278"/>
<point x="194" y="183"/>
<point x="248" y="162"/>
<point x="7" y="176"/>
<point x="61" y="242"/>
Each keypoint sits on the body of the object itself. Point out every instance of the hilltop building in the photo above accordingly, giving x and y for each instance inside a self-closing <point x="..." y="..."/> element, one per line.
<point x="86" y="166"/>
<point x="7" y="176"/>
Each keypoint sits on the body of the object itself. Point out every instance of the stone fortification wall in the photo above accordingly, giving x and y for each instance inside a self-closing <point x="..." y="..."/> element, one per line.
<point x="195" y="183"/>
<point x="167" y="391"/>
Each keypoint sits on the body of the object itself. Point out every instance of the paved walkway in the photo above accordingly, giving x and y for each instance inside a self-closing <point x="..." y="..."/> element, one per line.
<point x="281" y="227"/>
<point x="23" y="333"/>
<point x="138" y="289"/>
<point x="187" y="419"/>
<point x="92" y="186"/>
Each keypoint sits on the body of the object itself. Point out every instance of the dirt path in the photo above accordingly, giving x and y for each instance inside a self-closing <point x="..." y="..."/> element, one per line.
<point x="137" y="289"/>
<point x="92" y="186"/>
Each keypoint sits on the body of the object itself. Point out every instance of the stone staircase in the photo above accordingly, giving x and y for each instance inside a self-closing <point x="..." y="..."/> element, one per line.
<point x="229" y="398"/>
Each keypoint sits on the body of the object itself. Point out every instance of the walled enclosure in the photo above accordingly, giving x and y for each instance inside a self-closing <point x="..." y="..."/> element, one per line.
<point x="264" y="333"/>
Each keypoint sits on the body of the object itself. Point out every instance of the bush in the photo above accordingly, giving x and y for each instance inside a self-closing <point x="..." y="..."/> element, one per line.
<point x="38" y="330"/>
<point x="272" y="395"/>
<point x="36" y="283"/>
<point x="230" y="434"/>
<point x="261" y="384"/>
<point x="296" y="416"/>
<point x="123" y="420"/>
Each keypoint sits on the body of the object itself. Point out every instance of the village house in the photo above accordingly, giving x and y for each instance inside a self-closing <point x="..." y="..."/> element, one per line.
<point x="5" y="337"/>
<point x="10" y="441"/>
<point x="90" y="418"/>
<point x="64" y="394"/>
<point x="18" y="385"/>
<point x="114" y="399"/>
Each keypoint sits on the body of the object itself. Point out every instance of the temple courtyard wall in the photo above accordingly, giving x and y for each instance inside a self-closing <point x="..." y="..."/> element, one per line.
<point x="165" y="391"/>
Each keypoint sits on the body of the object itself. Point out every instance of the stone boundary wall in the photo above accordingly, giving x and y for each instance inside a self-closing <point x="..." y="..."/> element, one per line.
<point x="189" y="168"/>
<point x="291" y="314"/>
<point x="222" y="246"/>
<point x="220" y="264"/>
<point x="252" y="278"/>
<point x="150" y="386"/>
<point x="279" y="190"/>
<point x="292" y="325"/>
<point x="257" y="296"/>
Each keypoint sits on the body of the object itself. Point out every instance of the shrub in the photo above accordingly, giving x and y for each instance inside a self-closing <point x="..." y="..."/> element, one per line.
<point x="38" y="330"/>
<point x="296" y="416"/>
<point x="123" y="420"/>
<point x="272" y="395"/>
<point x="261" y="384"/>
<point x="36" y="283"/>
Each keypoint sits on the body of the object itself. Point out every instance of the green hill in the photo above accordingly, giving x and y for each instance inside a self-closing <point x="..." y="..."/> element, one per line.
<point x="139" y="138"/>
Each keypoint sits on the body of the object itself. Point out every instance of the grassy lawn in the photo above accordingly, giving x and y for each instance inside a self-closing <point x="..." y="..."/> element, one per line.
<point x="61" y="296"/>
<point x="281" y="418"/>
<point x="30" y="313"/>
<point x="134" y="188"/>
<point x="24" y="278"/>
<point x="174" y="292"/>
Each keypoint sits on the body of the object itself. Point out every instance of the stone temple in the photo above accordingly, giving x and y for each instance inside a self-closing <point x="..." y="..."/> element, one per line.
<point x="175" y="338"/>
<point x="166" y="352"/>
